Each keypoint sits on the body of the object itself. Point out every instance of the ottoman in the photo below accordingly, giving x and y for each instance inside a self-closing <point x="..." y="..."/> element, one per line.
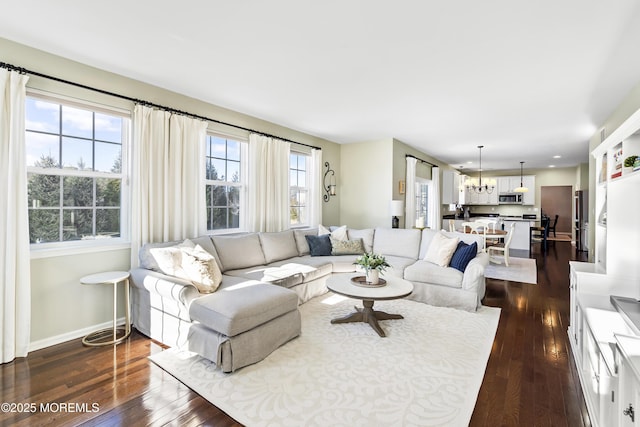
<point x="240" y="325"/>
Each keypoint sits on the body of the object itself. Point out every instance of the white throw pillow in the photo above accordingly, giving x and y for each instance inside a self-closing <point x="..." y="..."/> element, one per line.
<point x="339" y="233"/>
<point x="441" y="249"/>
<point x="169" y="259"/>
<point x="201" y="268"/>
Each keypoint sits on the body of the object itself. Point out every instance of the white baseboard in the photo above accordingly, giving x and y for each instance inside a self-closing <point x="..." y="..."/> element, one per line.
<point x="68" y="336"/>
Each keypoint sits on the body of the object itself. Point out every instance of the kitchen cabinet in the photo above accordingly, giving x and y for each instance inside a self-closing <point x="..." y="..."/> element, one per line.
<point x="452" y="188"/>
<point x="520" y="239"/>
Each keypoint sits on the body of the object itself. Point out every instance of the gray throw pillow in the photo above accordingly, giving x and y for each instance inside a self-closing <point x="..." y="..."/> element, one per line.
<point x="319" y="245"/>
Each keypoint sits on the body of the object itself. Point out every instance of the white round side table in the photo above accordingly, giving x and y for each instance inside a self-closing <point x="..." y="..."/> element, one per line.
<point x="116" y="334"/>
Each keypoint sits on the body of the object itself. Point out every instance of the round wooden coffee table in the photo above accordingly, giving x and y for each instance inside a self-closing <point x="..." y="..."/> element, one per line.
<point x="394" y="289"/>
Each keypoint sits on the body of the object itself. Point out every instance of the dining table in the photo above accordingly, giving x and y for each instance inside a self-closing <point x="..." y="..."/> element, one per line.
<point x="488" y="235"/>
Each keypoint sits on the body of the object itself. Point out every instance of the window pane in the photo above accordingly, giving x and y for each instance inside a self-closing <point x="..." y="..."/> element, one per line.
<point x="293" y="178"/>
<point x="302" y="163"/>
<point x="108" y="157"/>
<point x="107" y="192"/>
<point x="233" y="150"/>
<point x="78" y="191"/>
<point x="77" y="122"/>
<point x="218" y="147"/>
<point x="44" y="225"/>
<point x="108" y="128"/>
<point x="293" y="161"/>
<point x="42" y="150"/>
<point x="77" y="153"/>
<point x="108" y="222"/>
<point x="218" y="170"/>
<point x="42" y="116"/>
<point x="219" y="194"/>
<point x="302" y="179"/>
<point x="233" y="197"/>
<point x="234" y="219"/>
<point x="219" y="218"/>
<point x="233" y="171"/>
<point x="44" y="190"/>
<point x="77" y="223"/>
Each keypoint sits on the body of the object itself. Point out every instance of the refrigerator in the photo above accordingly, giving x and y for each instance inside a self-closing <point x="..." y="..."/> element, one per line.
<point x="581" y="199"/>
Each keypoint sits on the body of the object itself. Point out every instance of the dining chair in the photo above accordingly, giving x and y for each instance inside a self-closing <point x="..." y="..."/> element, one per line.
<point x="539" y="234"/>
<point x="553" y="226"/>
<point x="502" y="249"/>
<point x="490" y="227"/>
<point x="475" y="227"/>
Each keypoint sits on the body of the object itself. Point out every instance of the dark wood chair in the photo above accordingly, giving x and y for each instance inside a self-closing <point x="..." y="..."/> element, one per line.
<point x="540" y="233"/>
<point x="553" y="226"/>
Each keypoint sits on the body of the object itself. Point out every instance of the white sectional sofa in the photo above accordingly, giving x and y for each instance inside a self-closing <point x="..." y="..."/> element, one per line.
<point x="265" y="276"/>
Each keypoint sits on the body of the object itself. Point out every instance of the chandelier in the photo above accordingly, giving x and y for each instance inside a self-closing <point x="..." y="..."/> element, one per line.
<point x="477" y="186"/>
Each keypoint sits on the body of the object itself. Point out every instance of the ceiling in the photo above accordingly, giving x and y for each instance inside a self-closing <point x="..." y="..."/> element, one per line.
<point x="528" y="80"/>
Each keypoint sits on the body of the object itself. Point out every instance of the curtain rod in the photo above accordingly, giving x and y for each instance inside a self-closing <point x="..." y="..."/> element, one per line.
<point x="22" y="70"/>
<point x="420" y="160"/>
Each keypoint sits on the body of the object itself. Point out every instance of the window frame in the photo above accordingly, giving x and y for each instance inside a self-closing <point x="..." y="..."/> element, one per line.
<point x="307" y="188"/>
<point x="242" y="184"/>
<point x="57" y="248"/>
<point x="428" y="184"/>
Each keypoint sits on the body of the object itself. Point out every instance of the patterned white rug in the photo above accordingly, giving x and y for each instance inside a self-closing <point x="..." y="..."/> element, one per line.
<point x="427" y="371"/>
<point x="520" y="270"/>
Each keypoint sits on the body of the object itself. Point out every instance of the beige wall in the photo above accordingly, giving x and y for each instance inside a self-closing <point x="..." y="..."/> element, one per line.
<point x="61" y="308"/>
<point x="365" y="181"/>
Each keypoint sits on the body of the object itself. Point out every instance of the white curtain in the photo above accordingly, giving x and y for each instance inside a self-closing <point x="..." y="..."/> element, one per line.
<point x="15" y="294"/>
<point x="410" y="193"/>
<point x="268" y="186"/>
<point x="167" y="178"/>
<point x="315" y="189"/>
<point x="433" y="221"/>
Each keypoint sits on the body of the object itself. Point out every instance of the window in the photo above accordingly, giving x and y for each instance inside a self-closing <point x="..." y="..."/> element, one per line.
<point x="422" y="199"/>
<point x="298" y="188"/>
<point x="223" y="182"/>
<point x="75" y="171"/>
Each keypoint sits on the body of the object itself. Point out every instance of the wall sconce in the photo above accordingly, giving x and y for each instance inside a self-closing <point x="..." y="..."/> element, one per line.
<point x="329" y="189"/>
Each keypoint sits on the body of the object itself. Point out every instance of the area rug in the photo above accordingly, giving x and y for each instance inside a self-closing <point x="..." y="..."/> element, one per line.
<point x="427" y="371"/>
<point x="560" y="237"/>
<point x="520" y="270"/>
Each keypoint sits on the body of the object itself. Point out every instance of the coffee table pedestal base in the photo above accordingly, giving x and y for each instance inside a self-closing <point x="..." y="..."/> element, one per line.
<point x="368" y="315"/>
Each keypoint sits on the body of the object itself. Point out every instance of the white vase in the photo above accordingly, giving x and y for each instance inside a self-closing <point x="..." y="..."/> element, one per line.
<point x="373" y="277"/>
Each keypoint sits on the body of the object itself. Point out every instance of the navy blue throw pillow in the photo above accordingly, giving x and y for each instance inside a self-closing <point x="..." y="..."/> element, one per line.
<point x="463" y="255"/>
<point x="319" y="245"/>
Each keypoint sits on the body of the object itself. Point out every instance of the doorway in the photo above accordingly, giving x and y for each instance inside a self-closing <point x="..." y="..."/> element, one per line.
<point x="558" y="200"/>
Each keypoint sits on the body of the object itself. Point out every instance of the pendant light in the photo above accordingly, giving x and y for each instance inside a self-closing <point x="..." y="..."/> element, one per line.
<point x="522" y="188"/>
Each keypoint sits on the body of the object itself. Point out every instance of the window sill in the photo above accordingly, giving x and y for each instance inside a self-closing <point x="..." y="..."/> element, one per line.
<point x="38" y="252"/>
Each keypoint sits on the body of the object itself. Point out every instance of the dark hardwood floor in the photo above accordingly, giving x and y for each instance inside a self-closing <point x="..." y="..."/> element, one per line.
<point x="530" y="378"/>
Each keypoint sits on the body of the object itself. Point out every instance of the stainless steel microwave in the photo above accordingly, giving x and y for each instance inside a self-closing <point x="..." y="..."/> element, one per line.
<point x="510" y="198"/>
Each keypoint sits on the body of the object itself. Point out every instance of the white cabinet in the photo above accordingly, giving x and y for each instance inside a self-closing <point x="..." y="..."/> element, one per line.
<point x="505" y="185"/>
<point x="629" y="383"/>
<point x="452" y="188"/>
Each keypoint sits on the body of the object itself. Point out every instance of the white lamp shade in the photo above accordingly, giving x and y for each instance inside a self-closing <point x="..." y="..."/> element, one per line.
<point x="396" y="207"/>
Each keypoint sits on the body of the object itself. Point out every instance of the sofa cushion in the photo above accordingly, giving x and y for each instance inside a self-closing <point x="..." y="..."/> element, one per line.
<point x="365" y="234"/>
<point x="239" y="251"/>
<point x="441" y="249"/>
<point x="239" y="308"/>
<point x="346" y="247"/>
<point x="427" y="272"/>
<point x="463" y="255"/>
<point x="301" y="242"/>
<point x="319" y="245"/>
<point x="274" y="275"/>
<point x="278" y="246"/>
<point x="397" y="241"/>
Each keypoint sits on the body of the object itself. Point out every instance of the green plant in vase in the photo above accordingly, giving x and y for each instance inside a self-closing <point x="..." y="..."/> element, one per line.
<point x="630" y="162"/>
<point x="372" y="264"/>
